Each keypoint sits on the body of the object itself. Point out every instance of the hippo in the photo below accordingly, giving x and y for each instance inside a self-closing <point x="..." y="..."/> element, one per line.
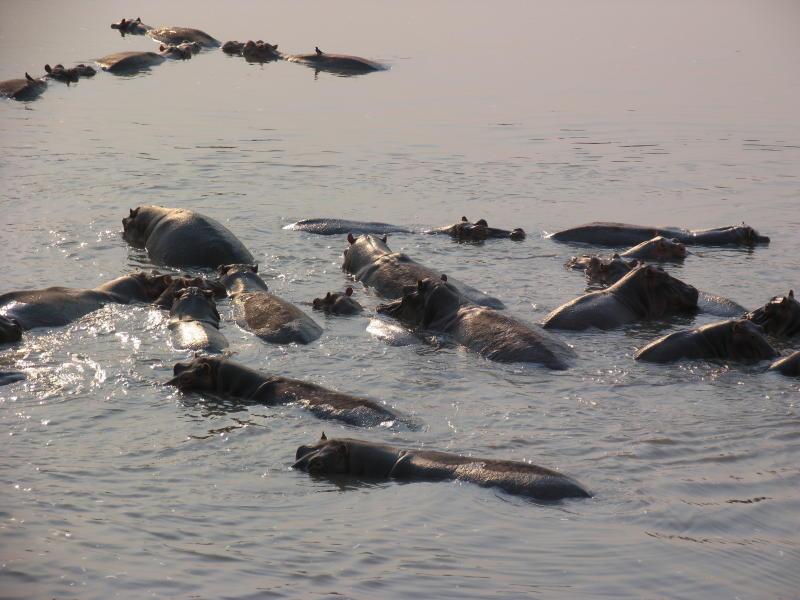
<point x="10" y="330"/>
<point x="183" y="238"/>
<point x="659" y="249"/>
<point x="788" y="365"/>
<point x="72" y="75"/>
<point x="341" y="64"/>
<point x="338" y="303"/>
<point x="620" y="234"/>
<point x="737" y="339"/>
<point x="271" y="318"/>
<point x="8" y="377"/>
<point x="371" y="461"/>
<point x="339" y="226"/>
<point x="131" y="27"/>
<point x="647" y="292"/>
<point x="129" y="62"/>
<point x="183" y="51"/>
<point x="438" y="306"/>
<point x="780" y="317"/>
<point x="602" y="271"/>
<point x="194" y="321"/>
<point x="22" y="89"/>
<point x="479" y="231"/>
<point x="179" y="35"/>
<point x="233" y="381"/>
<point x="371" y="262"/>
<point x="179" y="283"/>
<point x="58" y="306"/>
<point x="259" y="51"/>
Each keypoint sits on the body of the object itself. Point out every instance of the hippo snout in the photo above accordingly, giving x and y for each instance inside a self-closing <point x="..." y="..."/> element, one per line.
<point x="517" y="235"/>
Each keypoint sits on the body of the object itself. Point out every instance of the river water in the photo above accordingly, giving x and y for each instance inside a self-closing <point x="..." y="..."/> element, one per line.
<point x="536" y="115"/>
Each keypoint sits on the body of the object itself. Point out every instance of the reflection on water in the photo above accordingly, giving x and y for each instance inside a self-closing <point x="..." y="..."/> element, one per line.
<point x="541" y="116"/>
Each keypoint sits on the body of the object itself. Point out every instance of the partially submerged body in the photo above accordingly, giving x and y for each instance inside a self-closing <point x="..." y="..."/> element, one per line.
<point x="343" y="64"/>
<point x="28" y="88"/>
<point x="337" y="303"/>
<point x="621" y="234"/>
<point x="465" y="231"/>
<point x="342" y="226"/>
<point x="194" y="321"/>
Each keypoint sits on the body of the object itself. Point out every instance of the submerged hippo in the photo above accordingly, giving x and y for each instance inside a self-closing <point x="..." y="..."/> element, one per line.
<point x="10" y="330"/>
<point x="22" y="89"/>
<point x="726" y="340"/>
<point x="230" y="380"/>
<point x="57" y="306"/>
<point x="130" y="62"/>
<point x="371" y="461"/>
<point x="271" y="318"/>
<point x="183" y="238"/>
<point x="259" y="51"/>
<point x="372" y="263"/>
<point x="336" y="63"/>
<point x="620" y="234"/>
<point x="7" y="377"/>
<point x="180" y="283"/>
<point x="339" y="226"/>
<point x="338" y="303"/>
<point x="180" y="35"/>
<point x="437" y="306"/>
<point x="779" y="317"/>
<point x="131" y="27"/>
<point x="194" y="321"/>
<point x="479" y="231"/>
<point x="659" y="249"/>
<point x="71" y="75"/>
<point x="647" y="292"/>
<point x="789" y="365"/>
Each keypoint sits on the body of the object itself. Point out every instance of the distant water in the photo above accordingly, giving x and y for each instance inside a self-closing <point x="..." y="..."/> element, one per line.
<point x="539" y="115"/>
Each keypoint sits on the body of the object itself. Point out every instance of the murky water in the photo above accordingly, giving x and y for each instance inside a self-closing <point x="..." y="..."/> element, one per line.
<point x="539" y="115"/>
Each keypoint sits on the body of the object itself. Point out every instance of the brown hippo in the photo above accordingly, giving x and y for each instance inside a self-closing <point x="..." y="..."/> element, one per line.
<point x="726" y="340"/>
<point x="57" y="306"/>
<point x="788" y="365"/>
<point x="129" y="62"/>
<point x="373" y="263"/>
<point x="647" y="292"/>
<point x="659" y="249"/>
<point x="259" y="51"/>
<point x="271" y="318"/>
<point x="341" y="64"/>
<point x="437" y="306"/>
<point x="179" y="283"/>
<point x="477" y="232"/>
<point x="371" y="461"/>
<point x="178" y="35"/>
<point x="779" y="317"/>
<point x="194" y="321"/>
<point x="10" y="330"/>
<point x="602" y="271"/>
<point x="71" y="75"/>
<point x="131" y="27"/>
<point x="621" y="234"/>
<point x="338" y="304"/>
<point x="171" y="237"/>
<point x="183" y="51"/>
<point x="230" y="380"/>
<point x="22" y="89"/>
<point x="340" y="226"/>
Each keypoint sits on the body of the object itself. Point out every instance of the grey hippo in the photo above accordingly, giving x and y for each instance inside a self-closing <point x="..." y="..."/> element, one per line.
<point x="131" y="27"/>
<point x="372" y="262"/>
<point x="338" y="303"/>
<point x="779" y="317"/>
<point x="271" y="318"/>
<point x="659" y="249"/>
<point x="22" y="89"/>
<point x="465" y="231"/>
<point x="194" y="321"/>
<point x="259" y="51"/>
<point x="229" y="380"/>
<point x="647" y="292"/>
<point x="726" y="340"/>
<point x="788" y="365"/>
<point x="10" y="330"/>
<point x="371" y="461"/>
<point x="341" y="226"/>
<point x="621" y="234"/>
<point x="71" y="75"/>
<point x="180" y="35"/>
<point x="342" y="64"/>
<point x="437" y="306"/>
<point x="57" y="306"/>
<point x="8" y="377"/>
<point x="124" y="63"/>
<point x="183" y="238"/>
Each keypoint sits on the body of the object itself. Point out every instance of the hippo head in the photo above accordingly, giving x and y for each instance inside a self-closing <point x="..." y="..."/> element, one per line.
<point x="232" y="47"/>
<point x="197" y="375"/>
<point x="235" y="278"/>
<point x="362" y="251"/>
<point x="608" y="272"/>
<point x="748" y="341"/>
<point x="167" y="297"/>
<point x="62" y="74"/>
<point x="667" y="249"/>
<point x="180" y="52"/>
<point x="190" y="298"/>
<point x="749" y="236"/>
<point x="146" y="287"/>
<point x="338" y="303"/>
<point x="779" y="317"/>
<point x="658" y="292"/>
<point x="190" y="47"/>
<point x="134" y="227"/>
<point x="10" y="330"/>
<point x="517" y="234"/>
<point x="424" y="304"/>
<point x="260" y="51"/>
<point x="127" y="25"/>
<point x="325" y="457"/>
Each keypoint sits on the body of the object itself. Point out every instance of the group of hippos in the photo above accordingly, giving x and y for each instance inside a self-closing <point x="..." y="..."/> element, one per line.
<point x="423" y="300"/>
<point x="180" y="43"/>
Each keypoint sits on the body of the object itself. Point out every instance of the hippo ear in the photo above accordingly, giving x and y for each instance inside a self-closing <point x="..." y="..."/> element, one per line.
<point x="48" y="68"/>
<point x="464" y="220"/>
<point x="328" y="296"/>
<point x="323" y="436"/>
<point x="138" y="19"/>
<point x="444" y="277"/>
<point x="161" y="47"/>
<point x="28" y="77"/>
<point x="348" y="292"/>
<point x="274" y="46"/>
<point x="791" y="295"/>
<point x="350" y="238"/>
<point x="384" y="238"/>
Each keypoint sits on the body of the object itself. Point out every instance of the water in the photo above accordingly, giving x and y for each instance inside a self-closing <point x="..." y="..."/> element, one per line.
<point x="540" y="115"/>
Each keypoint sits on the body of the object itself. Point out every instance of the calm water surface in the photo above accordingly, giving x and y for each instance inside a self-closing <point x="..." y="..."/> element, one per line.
<point x="539" y="115"/>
